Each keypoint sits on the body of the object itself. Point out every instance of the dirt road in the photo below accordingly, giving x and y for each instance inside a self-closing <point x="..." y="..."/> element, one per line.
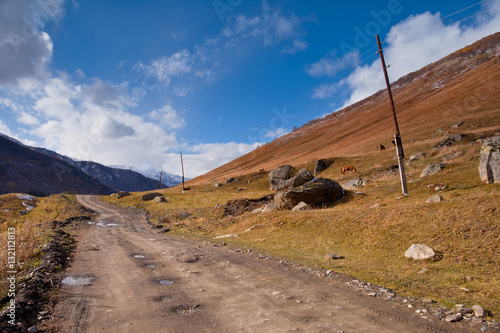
<point x="136" y="279"/>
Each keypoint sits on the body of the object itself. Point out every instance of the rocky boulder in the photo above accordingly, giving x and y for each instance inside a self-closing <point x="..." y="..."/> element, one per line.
<point x="355" y="184"/>
<point x="450" y="140"/>
<point x="432" y="169"/>
<point x="322" y="165"/>
<point x="489" y="160"/>
<point x="419" y="252"/>
<point x="121" y="194"/>
<point x="279" y="176"/>
<point x="313" y="193"/>
<point x="435" y="198"/>
<point x="159" y="199"/>
<point x="151" y="196"/>
<point x="300" y="178"/>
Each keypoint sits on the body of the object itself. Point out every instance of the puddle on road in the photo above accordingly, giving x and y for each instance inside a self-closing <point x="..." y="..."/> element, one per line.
<point x="77" y="281"/>
<point x="139" y="256"/>
<point x="105" y="224"/>
<point x="165" y="282"/>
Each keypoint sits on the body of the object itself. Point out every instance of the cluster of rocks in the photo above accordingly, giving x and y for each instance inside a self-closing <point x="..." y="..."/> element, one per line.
<point x="302" y="189"/>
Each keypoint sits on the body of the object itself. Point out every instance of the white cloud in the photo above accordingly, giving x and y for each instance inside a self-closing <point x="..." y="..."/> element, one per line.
<point x="409" y="45"/>
<point x="201" y="158"/>
<point x="26" y="49"/>
<point x="164" y="68"/>
<point x="273" y="134"/>
<point x="28" y="119"/>
<point x="330" y="65"/>
<point x="269" y="28"/>
<point x="168" y="117"/>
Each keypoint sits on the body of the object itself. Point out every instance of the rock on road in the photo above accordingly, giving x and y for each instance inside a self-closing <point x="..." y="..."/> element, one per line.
<point x="142" y="280"/>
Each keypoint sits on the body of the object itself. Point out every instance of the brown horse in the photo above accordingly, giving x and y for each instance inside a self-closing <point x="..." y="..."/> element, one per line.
<point x="350" y="168"/>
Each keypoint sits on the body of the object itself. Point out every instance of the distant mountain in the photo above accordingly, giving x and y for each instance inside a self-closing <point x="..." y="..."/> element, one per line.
<point x="120" y="179"/>
<point x="26" y="170"/>
<point x="167" y="179"/>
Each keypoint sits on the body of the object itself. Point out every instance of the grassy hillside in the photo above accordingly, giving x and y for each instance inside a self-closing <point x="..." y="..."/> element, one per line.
<point x="460" y="87"/>
<point x="374" y="226"/>
<point x="371" y="227"/>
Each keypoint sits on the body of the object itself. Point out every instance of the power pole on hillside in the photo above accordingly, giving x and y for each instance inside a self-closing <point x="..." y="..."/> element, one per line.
<point x="397" y="136"/>
<point x="182" y="166"/>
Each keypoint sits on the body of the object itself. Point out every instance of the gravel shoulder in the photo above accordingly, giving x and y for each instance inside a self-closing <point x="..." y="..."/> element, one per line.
<point x="127" y="277"/>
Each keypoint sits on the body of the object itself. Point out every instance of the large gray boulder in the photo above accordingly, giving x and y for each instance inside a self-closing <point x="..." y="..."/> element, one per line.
<point x="279" y="176"/>
<point x="322" y="165"/>
<point x="432" y="169"/>
<point x="489" y="160"/>
<point x="313" y="193"/>
<point x="300" y="178"/>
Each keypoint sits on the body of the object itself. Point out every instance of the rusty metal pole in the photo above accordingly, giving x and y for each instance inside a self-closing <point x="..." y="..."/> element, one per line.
<point x="397" y="136"/>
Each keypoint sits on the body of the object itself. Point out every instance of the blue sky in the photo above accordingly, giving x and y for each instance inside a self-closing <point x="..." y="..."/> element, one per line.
<point x="136" y="82"/>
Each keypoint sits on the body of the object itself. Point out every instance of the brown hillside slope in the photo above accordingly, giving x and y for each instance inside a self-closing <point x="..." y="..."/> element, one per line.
<point x="460" y="87"/>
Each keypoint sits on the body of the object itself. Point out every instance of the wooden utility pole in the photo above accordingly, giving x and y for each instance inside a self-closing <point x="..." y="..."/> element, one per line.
<point x="397" y="136"/>
<point x="159" y="182"/>
<point x="182" y="165"/>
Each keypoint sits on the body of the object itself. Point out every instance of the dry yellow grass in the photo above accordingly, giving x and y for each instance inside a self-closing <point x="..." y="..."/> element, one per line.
<point x="31" y="230"/>
<point x="372" y="230"/>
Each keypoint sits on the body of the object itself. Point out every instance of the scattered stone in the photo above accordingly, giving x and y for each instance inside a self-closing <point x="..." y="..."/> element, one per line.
<point x="269" y="207"/>
<point x="316" y="192"/>
<point x="451" y="156"/>
<point x="477" y="321"/>
<point x="489" y="160"/>
<point x="438" y="187"/>
<point x="415" y="157"/>
<point x="457" y="125"/>
<point x="372" y="294"/>
<point x="432" y="169"/>
<point x="449" y="141"/>
<point x="151" y="196"/>
<point x="463" y="309"/>
<point x="226" y="236"/>
<point x="229" y="180"/>
<point x="301" y="206"/>
<point x="419" y="252"/>
<point x="242" y="205"/>
<point x="435" y="198"/>
<point x="334" y="256"/>
<point x="159" y="199"/>
<point x="257" y="211"/>
<point x="374" y="206"/>
<point x="454" y="317"/>
<point x="122" y="194"/>
<point x="422" y="271"/>
<point x="218" y="206"/>
<point x="301" y="178"/>
<point x="218" y="185"/>
<point x="478" y="311"/>
<point x="33" y="329"/>
<point x="322" y="165"/>
<point x="355" y="184"/>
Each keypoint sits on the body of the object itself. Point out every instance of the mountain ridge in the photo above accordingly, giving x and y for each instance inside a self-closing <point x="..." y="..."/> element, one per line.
<point x="458" y="87"/>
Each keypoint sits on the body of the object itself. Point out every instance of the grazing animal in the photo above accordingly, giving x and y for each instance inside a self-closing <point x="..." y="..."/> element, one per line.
<point x="382" y="148"/>
<point x="350" y="168"/>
